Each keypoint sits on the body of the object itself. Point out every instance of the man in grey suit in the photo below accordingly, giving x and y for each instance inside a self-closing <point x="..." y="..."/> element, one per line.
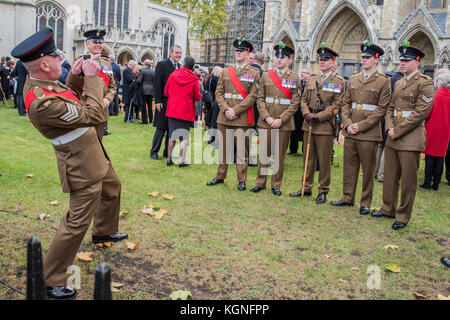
<point x="145" y="79"/>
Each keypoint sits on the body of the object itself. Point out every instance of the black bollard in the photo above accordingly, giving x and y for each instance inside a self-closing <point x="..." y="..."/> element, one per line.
<point x="36" y="289"/>
<point x="102" y="289"/>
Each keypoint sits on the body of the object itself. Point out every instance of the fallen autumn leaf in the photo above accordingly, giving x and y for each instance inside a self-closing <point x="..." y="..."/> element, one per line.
<point x="85" y="256"/>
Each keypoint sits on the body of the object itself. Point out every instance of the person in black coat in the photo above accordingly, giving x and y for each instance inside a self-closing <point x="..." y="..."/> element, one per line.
<point x="215" y="110"/>
<point x="114" y="105"/>
<point x="128" y="87"/>
<point x="162" y="72"/>
<point x="145" y="80"/>
<point x="5" y="76"/>
<point x="20" y="74"/>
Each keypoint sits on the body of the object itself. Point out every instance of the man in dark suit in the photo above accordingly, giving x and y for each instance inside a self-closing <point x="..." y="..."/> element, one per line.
<point x="162" y="72"/>
<point x="129" y="78"/>
<point x="145" y="79"/>
<point x="5" y="75"/>
<point x="114" y="106"/>
<point x="20" y="74"/>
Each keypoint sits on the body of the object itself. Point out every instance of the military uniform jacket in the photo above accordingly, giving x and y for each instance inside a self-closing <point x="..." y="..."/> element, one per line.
<point x="82" y="161"/>
<point x="332" y="92"/>
<point x="410" y="105"/>
<point x="374" y="93"/>
<point x="109" y="87"/>
<point x="273" y="108"/>
<point x="249" y="78"/>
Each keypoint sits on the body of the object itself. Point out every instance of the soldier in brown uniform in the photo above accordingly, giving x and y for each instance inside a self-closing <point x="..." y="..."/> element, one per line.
<point x="321" y="100"/>
<point x="278" y="100"/>
<point x="366" y="99"/>
<point x="411" y="102"/>
<point x="236" y="94"/>
<point x="94" y="44"/>
<point x="84" y="167"/>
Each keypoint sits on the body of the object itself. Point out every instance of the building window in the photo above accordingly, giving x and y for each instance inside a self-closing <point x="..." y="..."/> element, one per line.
<point x="436" y="4"/>
<point x="167" y="32"/>
<point x="48" y="14"/>
<point x="380" y="2"/>
<point x="106" y="10"/>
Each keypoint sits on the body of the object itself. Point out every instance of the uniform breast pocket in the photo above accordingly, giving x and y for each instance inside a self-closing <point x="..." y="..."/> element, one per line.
<point x="373" y="94"/>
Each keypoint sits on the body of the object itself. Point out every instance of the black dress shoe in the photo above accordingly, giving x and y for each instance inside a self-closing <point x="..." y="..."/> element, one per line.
<point x="321" y="198"/>
<point x="214" y="181"/>
<point x="379" y="214"/>
<point x="115" y="237"/>
<point x="211" y="140"/>
<point x="155" y="157"/>
<point x="182" y="165"/>
<point x="61" y="293"/>
<point x="256" y="189"/>
<point x="398" y="225"/>
<point x="143" y="122"/>
<point x="341" y="203"/>
<point x="299" y="194"/>
<point x="106" y="133"/>
<point x="276" y="192"/>
<point x="242" y="186"/>
<point x="252" y="164"/>
<point x="169" y="163"/>
<point x="425" y="186"/>
<point x="364" y="210"/>
<point x="446" y="262"/>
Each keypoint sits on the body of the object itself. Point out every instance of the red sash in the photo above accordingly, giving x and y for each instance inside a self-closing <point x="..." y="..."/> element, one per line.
<point x="30" y="97"/>
<point x="240" y="88"/>
<point x="278" y="83"/>
<point x="104" y="77"/>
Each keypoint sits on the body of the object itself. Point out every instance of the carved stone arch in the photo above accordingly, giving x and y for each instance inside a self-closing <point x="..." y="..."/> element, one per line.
<point x="388" y="57"/>
<point x="420" y="36"/>
<point x="49" y="12"/>
<point x="337" y="13"/>
<point x="164" y="19"/>
<point x="126" y="54"/>
<point x="148" y="54"/>
<point x="444" y="56"/>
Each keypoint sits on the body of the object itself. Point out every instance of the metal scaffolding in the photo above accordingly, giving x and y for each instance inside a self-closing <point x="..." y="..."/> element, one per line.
<point x="246" y="20"/>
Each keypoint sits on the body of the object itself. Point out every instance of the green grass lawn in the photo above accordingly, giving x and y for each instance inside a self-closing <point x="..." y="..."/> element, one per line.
<point x="217" y="242"/>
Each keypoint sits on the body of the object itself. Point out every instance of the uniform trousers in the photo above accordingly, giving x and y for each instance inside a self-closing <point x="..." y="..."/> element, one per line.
<point x="399" y="165"/>
<point x="359" y="153"/>
<point x="230" y="152"/>
<point x="277" y="149"/>
<point x="321" y="147"/>
<point x="100" y="202"/>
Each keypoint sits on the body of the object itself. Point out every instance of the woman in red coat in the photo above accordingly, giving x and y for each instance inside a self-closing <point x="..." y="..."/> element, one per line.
<point x="438" y="133"/>
<point x="182" y="89"/>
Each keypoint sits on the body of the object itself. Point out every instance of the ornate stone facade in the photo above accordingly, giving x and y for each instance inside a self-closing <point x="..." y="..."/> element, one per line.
<point x="137" y="29"/>
<point x="343" y="25"/>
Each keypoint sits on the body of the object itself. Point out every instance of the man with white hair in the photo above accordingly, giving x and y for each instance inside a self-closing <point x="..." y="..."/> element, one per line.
<point x="129" y="77"/>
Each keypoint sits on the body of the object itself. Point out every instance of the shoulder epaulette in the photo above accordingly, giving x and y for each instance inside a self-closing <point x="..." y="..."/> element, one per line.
<point x="426" y="77"/>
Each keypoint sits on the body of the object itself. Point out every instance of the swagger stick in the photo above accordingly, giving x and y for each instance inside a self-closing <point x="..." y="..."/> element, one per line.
<point x="306" y="161"/>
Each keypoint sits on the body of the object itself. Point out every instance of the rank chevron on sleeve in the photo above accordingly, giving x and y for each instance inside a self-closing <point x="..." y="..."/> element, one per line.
<point x="426" y="99"/>
<point x="71" y="114"/>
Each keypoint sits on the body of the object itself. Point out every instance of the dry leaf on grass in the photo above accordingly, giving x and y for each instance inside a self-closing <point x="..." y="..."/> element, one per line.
<point x="124" y="213"/>
<point x="180" y="295"/>
<point x="168" y="196"/>
<point x="131" y="245"/>
<point x="53" y="203"/>
<point x="342" y="280"/>
<point x="375" y="209"/>
<point x="390" y="246"/>
<point x="356" y="268"/>
<point x="85" y="256"/>
<point x="160" y="213"/>
<point x="115" y="286"/>
<point x="42" y="216"/>
<point x="441" y="297"/>
<point x="104" y="245"/>
<point x="146" y="210"/>
<point x="153" y="194"/>
<point x="419" y="295"/>
<point x="393" y="268"/>
<point x="327" y="256"/>
<point x="31" y="176"/>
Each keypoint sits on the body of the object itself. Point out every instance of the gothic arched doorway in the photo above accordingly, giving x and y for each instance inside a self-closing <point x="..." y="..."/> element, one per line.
<point x="344" y="34"/>
<point x="148" y="56"/>
<point x="423" y="42"/>
<point x="124" y="57"/>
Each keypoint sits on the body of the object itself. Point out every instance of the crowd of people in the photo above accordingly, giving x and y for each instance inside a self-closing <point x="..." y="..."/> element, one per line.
<point x="387" y="120"/>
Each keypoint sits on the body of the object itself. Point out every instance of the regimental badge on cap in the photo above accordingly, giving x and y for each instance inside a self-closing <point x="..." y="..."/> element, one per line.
<point x="242" y="44"/>
<point x="326" y="53"/>
<point x="408" y="52"/>
<point x="368" y="49"/>
<point x="96" y="35"/>
<point x="281" y="50"/>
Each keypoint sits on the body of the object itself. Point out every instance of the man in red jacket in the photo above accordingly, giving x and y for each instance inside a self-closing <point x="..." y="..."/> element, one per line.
<point x="438" y="132"/>
<point x="182" y="89"/>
